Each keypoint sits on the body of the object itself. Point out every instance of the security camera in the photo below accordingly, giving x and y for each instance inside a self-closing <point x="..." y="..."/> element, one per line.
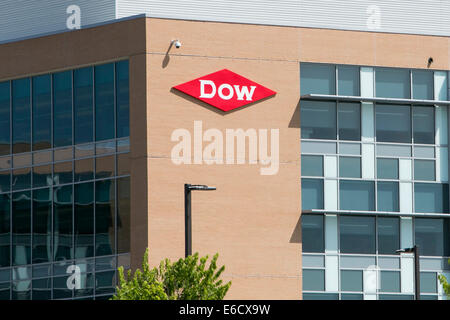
<point x="177" y="43"/>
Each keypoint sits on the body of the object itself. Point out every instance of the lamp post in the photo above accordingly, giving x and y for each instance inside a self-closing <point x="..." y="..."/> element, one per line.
<point x="187" y="214"/>
<point x="414" y="250"/>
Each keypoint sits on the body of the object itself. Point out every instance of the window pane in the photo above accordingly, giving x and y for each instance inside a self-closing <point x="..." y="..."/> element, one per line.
<point x="21" y="179"/>
<point x="5" y="181"/>
<point x="424" y="170"/>
<point x="104" y="167"/>
<point x="123" y="99"/>
<point x="387" y="197"/>
<point x="104" y="217"/>
<point x="84" y="170"/>
<point x="104" y="102"/>
<point x="392" y="83"/>
<point x="312" y="194"/>
<point x="42" y="176"/>
<point x="63" y="223"/>
<point x="62" y="172"/>
<point x="317" y="78"/>
<point x="393" y="123"/>
<point x="349" y="167"/>
<point x="313" y="280"/>
<point x="312" y="166"/>
<point x="313" y="236"/>
<point x="318" y="120"/>
<point x="357" y="234"/>
<point x="62" y="109"/>
<point x="387" y="168"/>
<point x="42" y="111"/>
<point x="390" y="281"/>
<point x="83" y="105"/>
<point x="86" y="287"/>
<point x="351" y="280"/>
<point x="429" y="236"/>
<point x="395" y="297"/>
<point x="388" y="235"/>
<point x="21" y="228"/>
<point x="357" y="195"/>
<point x="320" y="296"/>
<point x="349" y="121"/>
<point x="351" y="296"/>
<point x="423" y="124"/>
<point x="123" y="164"/>
<point x="348" y="81"/>
<point x="422" y="84"/>
<point x="428" y="282"/>
<point x="431" y="197"/>
<point x="42" y="289"/>
<point x="5" y="110"/>
<point x="105" y="282"/>
<point x="21" y="114"/>
<point x="84" y="220"/>
<point x="5" y="241"/>
<point x="42" y="226"/>
<point x="123" y="215"/>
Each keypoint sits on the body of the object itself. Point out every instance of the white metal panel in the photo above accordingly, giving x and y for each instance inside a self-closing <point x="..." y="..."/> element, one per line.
<point x="331" y="195"/>
<point x="331" y="273"/>
<point x="331" y="234"/>
<point x="407" y="273"/>
<point x="330" y="166"/>
<point x="368" y="161"/>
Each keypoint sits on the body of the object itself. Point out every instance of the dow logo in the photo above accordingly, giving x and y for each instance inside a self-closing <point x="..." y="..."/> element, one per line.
<point x="225" y="90"/>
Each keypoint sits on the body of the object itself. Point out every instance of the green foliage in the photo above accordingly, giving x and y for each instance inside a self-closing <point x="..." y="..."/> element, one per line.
<point x="444" y="283"/>
<point x="186" y="279"/>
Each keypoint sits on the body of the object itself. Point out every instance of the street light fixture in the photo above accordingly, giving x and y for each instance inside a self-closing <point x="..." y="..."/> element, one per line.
<point x="187" y="214"/>
<point x="414" y="250"/>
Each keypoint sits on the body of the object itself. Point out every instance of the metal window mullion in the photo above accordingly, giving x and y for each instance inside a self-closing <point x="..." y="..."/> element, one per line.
<point x="94" y="139"/>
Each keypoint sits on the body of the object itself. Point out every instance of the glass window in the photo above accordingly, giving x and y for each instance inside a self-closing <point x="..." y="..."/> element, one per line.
<point x="357" y="195"/>
<point x="60" y="290"/>
<point x="351" y="296"/>
<point x="320" y="296"/>
<point x="42" y="176"/>
<point x="86" y="287"/>
<point x="424" y="170"/>
<point x="357" y="234"/>
<point x="62" y="172"/>
<point x="431" y="197"/>
<point x="313" y="234"/>
<point x="42" y="226"/>
<point x="42" y="289"/>
<point x="431" y="236"/>
<point x="5" y="181"/>
<point x="393" y="123"/>
<point x="21" y="228"/>
<point x="62" y="109"/>
<point x="104" y="217"/>
<point x="351" y="280"/>
<point x="104" y="102"/>
<point x="312" y="166"/>
<point x="428" y="282"/>
<point x="395" y="297"/>
<point x="42" y="112"/>
<point x="350" y="167"/>
<point x="5" y="230"/>
<point x="318" y="120"/>
<point x="313" y="280"/>
<point x="105" y="167"/>
<point x="387" y="196"/>
<point x="390" y="281"/>
<point x="123" y="99"/>
<point x="123" y="215"/>
<point x="21" y="114"/>
<point x="84" y="220"/>
<point x="105" y="282"/>
<point x="123" y="164"/>
<point x="392" y="83"/>
<point x="387" y="168"/>
<point x="21" y="179"/>
<point x="349" y="119"/>
<point x="422" y="84"/>
<point x="423" y="124"/>
<point x="5" y="291"/>
<point x="83" y="105"/>
<point x="388" y="235"/>
<point x="62" y="223"/>
<point x="5" y="99"/>
<point x="84" y="170"/>
<point x="348" y="81"/>
<point x="317" y="78"/>
<point x="312" y="194"/>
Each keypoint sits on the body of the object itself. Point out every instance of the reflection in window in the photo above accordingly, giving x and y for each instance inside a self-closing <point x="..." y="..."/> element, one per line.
<point x="312" y="166"/>
<point x="123" y="164"/>
<point x="42" y="111"/>
<point x="431" y="197"/>
<point x="62" y="172"/>
<point x="392" y="83"/>
<point x="84" y="170"/>
<point x="312" y="194"/>
<point x="123" y="99"/>
<point x="5" y="99"/>
<point x="318" y="120"/>
<point x="42" y="226"/>
<point x="388" y="235"/>
<point x="21" y="179"/>
<point x="42" y="176"/>
<point x="423" y="124"/>
<point x="84" y="220"/>
<point x="349" y="119"/>
<point x="357" y="234"/>
<point x="313" y="233"/>
<point x="62" y="109"/>
<point x="42" y="289"/>
<point x="21" y="228"/>
<point x="5" y="181"/>
<point x="5" y="241"/>
<point x="104" y="102"/>
<point x="21" y="114"/>
<point x="104" y="217"/>
<point x="123" y="215"/>
<point x="317" y="78"/>
<point x="387" y="196"/>
<point x="104" y="167"/>
<point x="105" y="282"/>
<point x="393" y="123"/>
<point x="357" y="195"/>
<point x="63" y="223"/>
<point x="83" y="105"/>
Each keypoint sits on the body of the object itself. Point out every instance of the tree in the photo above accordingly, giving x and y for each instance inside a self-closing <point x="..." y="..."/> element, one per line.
<point x="186" y="279"/>
<point x="444" y="283"/>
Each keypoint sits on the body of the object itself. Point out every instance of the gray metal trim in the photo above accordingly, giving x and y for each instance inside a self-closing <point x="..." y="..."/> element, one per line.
<point x="376" y="100"/>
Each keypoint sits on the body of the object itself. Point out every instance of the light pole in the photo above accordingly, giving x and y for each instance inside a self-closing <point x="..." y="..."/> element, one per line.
<point x="187" y="215"/>
<point x="414" y="250"/>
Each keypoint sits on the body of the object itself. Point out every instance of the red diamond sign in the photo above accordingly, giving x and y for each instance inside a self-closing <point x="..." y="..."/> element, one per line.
<point x="225" y="90"/>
